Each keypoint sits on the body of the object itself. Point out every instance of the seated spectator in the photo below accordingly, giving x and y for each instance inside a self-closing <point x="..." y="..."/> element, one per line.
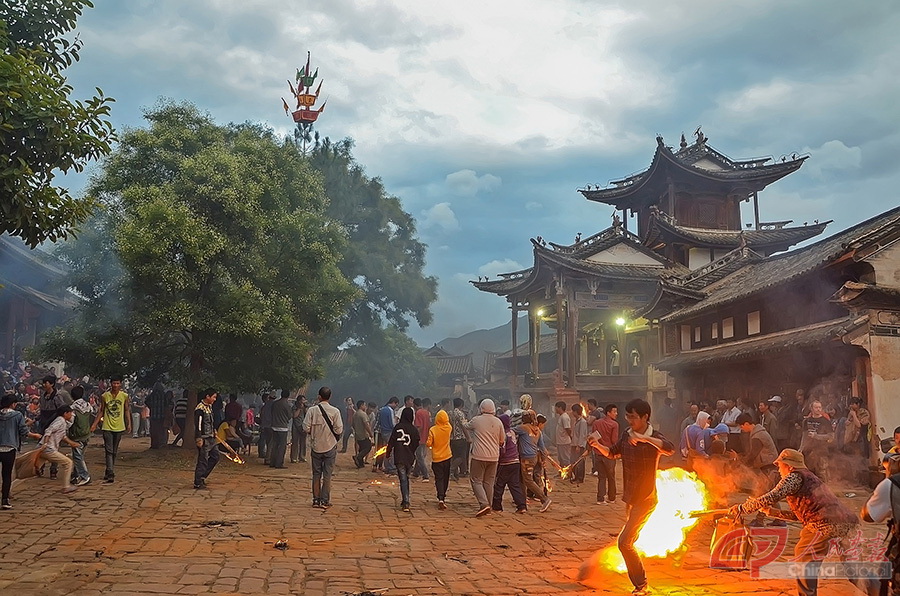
<point x="227" y="433"/>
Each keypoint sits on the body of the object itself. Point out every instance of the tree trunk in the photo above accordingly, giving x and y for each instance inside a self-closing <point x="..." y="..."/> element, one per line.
<point x="194" y="376"/>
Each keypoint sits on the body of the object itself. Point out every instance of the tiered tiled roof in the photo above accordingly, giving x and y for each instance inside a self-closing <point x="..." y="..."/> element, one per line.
<point x="575" y="258"/>
<point x="454" y="365"/>
<point x="646" y="186"/>
<point x="663" y="228"/>
<point x="763" y="274"/>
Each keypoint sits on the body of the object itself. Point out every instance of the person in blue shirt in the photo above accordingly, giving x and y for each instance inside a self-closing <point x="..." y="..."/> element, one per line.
<point x="384" y="427"/>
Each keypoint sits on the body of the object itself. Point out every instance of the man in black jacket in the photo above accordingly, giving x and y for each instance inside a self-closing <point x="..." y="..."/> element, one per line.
<point x="403" y="444"/>
<point x="205" y="432"/>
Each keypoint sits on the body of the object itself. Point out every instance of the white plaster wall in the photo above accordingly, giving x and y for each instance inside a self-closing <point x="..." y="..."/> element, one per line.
<point x="887" y="266"/>
<point x="698" y="257"/>
<point x="622" y="254"/>
<point x="885" y="359"/>
<point x="708" y="164"/>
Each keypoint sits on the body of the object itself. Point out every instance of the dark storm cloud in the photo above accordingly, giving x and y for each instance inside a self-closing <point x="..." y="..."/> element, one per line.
<point x="485" y="120"/>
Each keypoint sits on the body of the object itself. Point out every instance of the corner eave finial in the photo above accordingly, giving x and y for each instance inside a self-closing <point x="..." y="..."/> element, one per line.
<point x="683" y="141"/>
<point x="701" y="138"/>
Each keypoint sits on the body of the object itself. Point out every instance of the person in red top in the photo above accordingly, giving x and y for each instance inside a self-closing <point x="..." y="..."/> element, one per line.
<point x="422" y="422"/>
<point x="607" y="431"/>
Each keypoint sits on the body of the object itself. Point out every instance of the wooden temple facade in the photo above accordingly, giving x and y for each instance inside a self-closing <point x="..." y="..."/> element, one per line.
<point x="32" y="297"/>
<point x="711" y="309"/>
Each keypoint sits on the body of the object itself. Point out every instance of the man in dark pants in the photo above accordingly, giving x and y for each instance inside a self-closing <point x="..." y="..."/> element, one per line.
<point x="280" y="415"/>
<point x="362" y="433"/>
<point x="207" y="454"/>
<point x="114" y="409"/>
<point x="298" y="435"/>
<point x="606" y="430"/>
<point x="640" y="448"/>
<point x="179" y="412"/>
<point x="459" y="441"/>
<point x="265" y="429"/>
<point x="50" y="402"/>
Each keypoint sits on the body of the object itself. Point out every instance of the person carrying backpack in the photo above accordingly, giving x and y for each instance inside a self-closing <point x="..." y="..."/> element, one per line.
<point x="884" y="506"/>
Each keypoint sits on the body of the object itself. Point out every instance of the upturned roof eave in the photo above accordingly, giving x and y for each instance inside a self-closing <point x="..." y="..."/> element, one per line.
<point x="761" y="176"/>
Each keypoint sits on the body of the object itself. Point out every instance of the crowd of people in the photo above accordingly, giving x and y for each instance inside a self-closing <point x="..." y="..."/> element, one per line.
<point x="787" y="448"/>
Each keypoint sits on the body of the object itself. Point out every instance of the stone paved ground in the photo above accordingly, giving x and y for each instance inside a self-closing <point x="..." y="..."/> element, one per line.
<point x="151" y="533"/>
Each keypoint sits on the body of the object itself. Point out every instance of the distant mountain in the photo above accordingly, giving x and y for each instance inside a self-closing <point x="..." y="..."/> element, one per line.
<point x="498" y="339"/>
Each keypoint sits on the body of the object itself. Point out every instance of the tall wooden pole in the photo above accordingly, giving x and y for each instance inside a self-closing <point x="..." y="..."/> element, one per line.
<point x="515" y="347"/>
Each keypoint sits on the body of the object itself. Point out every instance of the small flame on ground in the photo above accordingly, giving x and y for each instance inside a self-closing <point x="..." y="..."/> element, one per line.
<point x="679" y="492"/>
<point x="235" y="458"/>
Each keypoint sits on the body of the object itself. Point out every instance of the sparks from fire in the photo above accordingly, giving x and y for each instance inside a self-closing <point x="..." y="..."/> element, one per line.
<point x="679" y="492"/>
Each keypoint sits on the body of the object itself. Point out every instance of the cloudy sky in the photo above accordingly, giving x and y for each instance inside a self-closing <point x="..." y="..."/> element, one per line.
<point x="486" y="117"/>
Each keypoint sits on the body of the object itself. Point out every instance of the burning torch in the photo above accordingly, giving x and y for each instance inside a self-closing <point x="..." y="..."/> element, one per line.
<point x="230" y="453"/>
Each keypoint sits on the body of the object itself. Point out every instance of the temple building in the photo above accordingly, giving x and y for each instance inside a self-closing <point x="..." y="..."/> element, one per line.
<point x="32" y="297"/>
<point x="696" y="305"/>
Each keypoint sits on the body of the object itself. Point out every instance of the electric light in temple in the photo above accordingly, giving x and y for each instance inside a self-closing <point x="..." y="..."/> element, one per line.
<point x="620" y="321"/>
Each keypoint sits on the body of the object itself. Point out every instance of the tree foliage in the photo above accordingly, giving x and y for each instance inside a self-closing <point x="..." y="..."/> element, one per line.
<point x="389" y="363"/>
<point x="42" y="130"/>
<point x="212" y="260"/>
<point x="384" y="258"/>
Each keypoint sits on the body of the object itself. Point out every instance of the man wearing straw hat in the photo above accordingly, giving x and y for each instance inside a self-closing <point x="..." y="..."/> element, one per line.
<point x="824" y="517"/>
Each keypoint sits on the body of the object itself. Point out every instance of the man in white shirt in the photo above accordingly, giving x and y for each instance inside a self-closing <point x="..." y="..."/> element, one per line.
<point x="324" y="427"/>
<point x="729" y="418"/>
<point x="563" y="434"/>
<point x="883" y="505"/>
<point x="53" y="436"/>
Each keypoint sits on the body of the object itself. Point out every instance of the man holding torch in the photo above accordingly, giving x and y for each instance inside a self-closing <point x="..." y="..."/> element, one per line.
<point x="640" y="448"/>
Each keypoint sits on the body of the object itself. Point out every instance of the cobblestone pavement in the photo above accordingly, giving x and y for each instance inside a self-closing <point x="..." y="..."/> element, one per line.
<point x="151" y="533"/>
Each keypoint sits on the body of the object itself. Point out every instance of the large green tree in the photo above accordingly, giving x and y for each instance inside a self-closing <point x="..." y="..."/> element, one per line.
<point x="384" y="257"/>
<point x="385" y="260"/>
<point x="388" y="363"/>
<point x="42" y="130"/>
<point x="213" y="259"/>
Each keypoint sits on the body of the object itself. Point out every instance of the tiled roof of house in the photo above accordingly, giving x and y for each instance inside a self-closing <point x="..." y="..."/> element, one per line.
<point x="779" y="269"/>
<point x="810" y="336"/>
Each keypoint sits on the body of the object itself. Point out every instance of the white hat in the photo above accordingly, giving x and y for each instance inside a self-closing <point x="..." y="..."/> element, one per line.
<point x="776" y="399"/>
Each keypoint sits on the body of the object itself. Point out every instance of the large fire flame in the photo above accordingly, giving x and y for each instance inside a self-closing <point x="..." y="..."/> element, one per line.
<point x="679" y="492"/>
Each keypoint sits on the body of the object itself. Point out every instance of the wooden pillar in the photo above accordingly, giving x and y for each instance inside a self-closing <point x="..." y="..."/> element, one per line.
<point x="756" y="209"/>
<point x="559" y="331"/>
<point x="671" y="190"/>
<point x="625" y="219"/>
<point x="571" y="337"/>
<point x="532" y="339"/>
<point x="515" y="342"/>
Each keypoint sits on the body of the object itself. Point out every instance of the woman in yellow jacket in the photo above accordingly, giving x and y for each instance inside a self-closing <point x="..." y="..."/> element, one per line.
<point x="439" y="443"/>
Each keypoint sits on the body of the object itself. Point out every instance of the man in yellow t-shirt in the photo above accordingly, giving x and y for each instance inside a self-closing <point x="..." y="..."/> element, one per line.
<point x="114" y="409"/>
<point x="227" y="433"/>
